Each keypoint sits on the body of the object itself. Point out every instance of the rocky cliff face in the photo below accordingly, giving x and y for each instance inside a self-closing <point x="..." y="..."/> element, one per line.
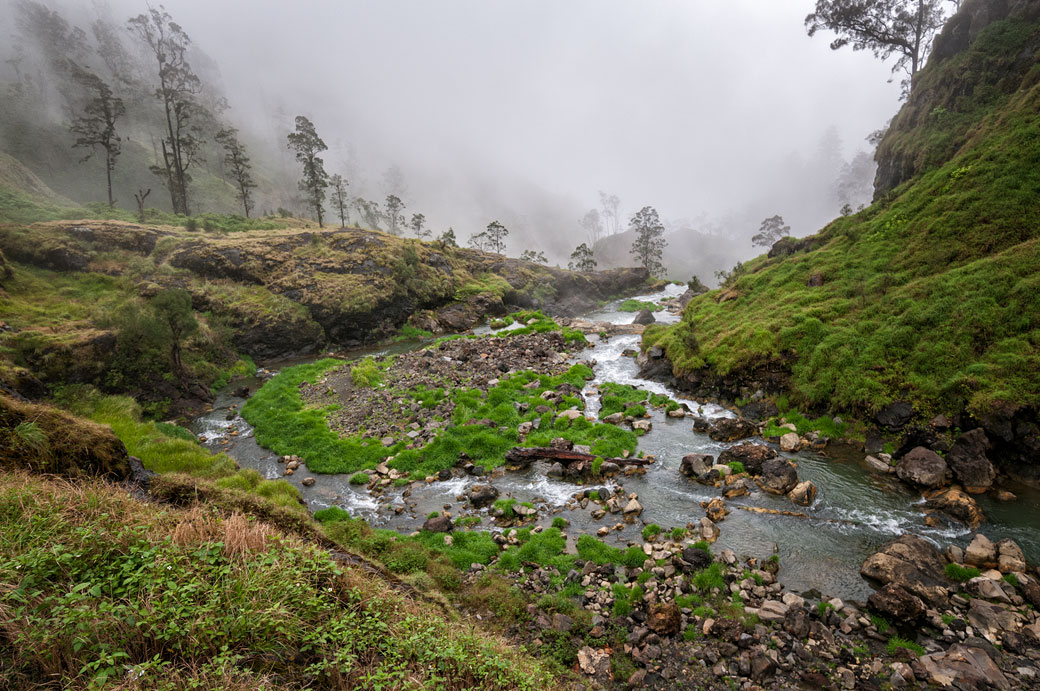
<point x="971" y="68"/>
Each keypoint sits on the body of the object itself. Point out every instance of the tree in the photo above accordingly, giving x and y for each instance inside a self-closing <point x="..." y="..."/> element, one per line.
<point x="582" y="259"/>
<point x="611" y="204"/>
<point x="496" y="237"/>
<point x="307" y="145"/>
<point x="417" y="224"/>
<point x="174" y="308"/>
<point x="139" y="197"/>
<point x="178" y="88"/>
<point x="592" y="224"/>
<point x="394" y="207"/>
<point x="532" y="256"/>
<point x="447" y="238"/>
<point x="771" y="230"/>
<point x="369" y="212"/>
<point x="340" y="199"/>
<point x="95" y="127"/>
<point x="649" y="242"/>
<point x="884" y="27"/>
<point x="478" y="241"/>
<point x="238" y="167"/>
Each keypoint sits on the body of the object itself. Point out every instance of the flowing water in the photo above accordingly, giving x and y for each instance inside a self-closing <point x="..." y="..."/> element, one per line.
<point x="855" y="511"/>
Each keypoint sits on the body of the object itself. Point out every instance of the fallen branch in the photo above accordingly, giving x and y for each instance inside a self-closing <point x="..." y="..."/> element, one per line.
<point x="523" y="456"/>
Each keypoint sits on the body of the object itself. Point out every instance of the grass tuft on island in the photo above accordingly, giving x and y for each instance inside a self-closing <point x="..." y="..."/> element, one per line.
<point x="633" y="305"/>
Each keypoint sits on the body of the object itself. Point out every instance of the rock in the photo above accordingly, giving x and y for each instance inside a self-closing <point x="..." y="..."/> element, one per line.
<point x="912" y="563"/>
<point x="633" y="507"/>
<point x="956" y="503"/>
<point x="595" y="663"/>
<point x="896" y="604"/>
<point x="981" y="552"/>
<point x="609" y="468"/>
<point x="716" y="510"/>
<point x="561" y="444"/>
<point x="387" y="441"/>
<point x="967" y="459"/>
<point x="438" y="524"/>
<point x="961" y="667"/>
<point x="773" y="611"/>
<point x="987" y="589"/>
<point x="729" y="429"/>
<point x="1010" y="558"/>
<point x="696" y="464"/>
<point x="482" y="495"/>
<point x="695" y="559"/>
<point x="762" y="666"/>
<point x="708" y="531"/>
<point x="895" y="416"/>
<point x="571" y="414"/>
<point x="923" y="468"/>
<point x="562" y="623"/>
<point x="308" y="481"/>
<point x="778" y="476"/>
<point x="614" y="418"/>
<point x="750" y="455"/>
<point x="991" y="620"/>
<point x="796" y="623"/>
<point x="790" y="442"/>
<point x="878" y="465"/>
<point x="555" y="470"/>
<point x="644" y="317"/>
<point x="524" y="511"/>
<point x="664" y="619"/>
<point x="803" y="494"/>
<point x="642" y="425"/>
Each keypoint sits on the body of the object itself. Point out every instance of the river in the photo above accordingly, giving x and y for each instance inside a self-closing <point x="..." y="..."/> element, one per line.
<point x="855" y="511"/>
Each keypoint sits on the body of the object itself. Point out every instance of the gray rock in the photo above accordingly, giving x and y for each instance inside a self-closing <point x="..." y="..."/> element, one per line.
<point x="696" y="464"/>
<point x="732" y="429"/>
<point x="896" y="604"/>
<point x="981" y="552"/>
<point x="912" y="563"/>
<point x="778" y="476"/>
<point x="967" y="667"/>
<point x="923" y="468"/>
<point x="895" y="416"/>
<point x="967" y="459"/>
<point x="644" y="317"/>
<point x="482" y="495"/>
<point x="438" y="524"/>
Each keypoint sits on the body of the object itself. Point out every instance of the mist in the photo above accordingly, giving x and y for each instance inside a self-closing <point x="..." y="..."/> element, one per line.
<point x="717" y="114"/>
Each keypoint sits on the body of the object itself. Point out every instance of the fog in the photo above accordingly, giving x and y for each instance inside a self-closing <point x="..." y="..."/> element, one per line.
<point x="523" y="111"/>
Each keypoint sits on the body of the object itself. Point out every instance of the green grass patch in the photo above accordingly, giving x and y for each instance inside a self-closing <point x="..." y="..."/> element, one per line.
<point x="961" y="574"/>
<point x="412" y="333"/>
<point x="895" y="643"/>
<point x="651" y="530"/>
<point x="710" y="577"/>
<point x="633" y="305"/>
<point x="591" y="549"/>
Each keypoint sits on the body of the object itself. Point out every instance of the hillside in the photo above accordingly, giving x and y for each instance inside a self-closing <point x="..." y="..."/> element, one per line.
<point x="931" y="296"/>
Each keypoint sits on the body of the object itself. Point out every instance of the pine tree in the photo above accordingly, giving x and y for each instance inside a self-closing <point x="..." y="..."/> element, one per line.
<point x="307" y="145"/>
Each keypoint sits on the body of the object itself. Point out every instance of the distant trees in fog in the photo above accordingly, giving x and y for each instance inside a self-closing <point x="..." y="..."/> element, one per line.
<point x="340" y="198"/>
<point x="771" y="230"/>
<point x="307" y="145"/>
<point x="239" y="169"/>
<point x="648" y="246"/>
<point x="582" y="259"/>
<point x="95" y="126"/>
<point x="493" y="239"/>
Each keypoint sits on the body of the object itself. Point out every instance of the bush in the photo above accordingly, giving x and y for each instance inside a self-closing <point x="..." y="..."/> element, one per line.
<point x="366" y="373"/>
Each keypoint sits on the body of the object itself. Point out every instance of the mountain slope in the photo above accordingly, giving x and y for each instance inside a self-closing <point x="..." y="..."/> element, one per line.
<point x="931" y="295"/>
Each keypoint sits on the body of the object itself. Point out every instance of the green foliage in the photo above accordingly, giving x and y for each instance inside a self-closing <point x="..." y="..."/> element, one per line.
<point x="625" y="599"/>
<point x="880" y="623"/>
<point x="951" y="254"/>
<point x="621" y="398"/>
<point x="560" y="523"/>
<point x="360" y="478"/>
<point x="895" y="643"/>
<point x="678" y="533"/>
<point x="505" y="506"/>
<point x="651" y="530"/>
<point x="545" y="549"/>
<point x="709" y="577"/>
<point x="736" y="466"/>
<point x="823" y="609"/>
<point x="633" y="305"/>
<point x="411" y="333"/>
<point x="962" y="574"/>
<point x="484" y="283"/>
<point x="825" y="425"/>
<point x="591" y="549"/>
<point x="366" y="373"/>
<point x="1011" y="579"/>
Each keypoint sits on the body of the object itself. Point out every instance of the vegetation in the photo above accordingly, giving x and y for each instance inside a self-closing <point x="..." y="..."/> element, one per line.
<point x="950" y="254"/>
<point x="582" y="258"/>
<point x="648" y="245"/>
<point x="961" y="574"/>
<point x="633" y="305"/>
<point x="895" y="643"/>
<point x="307" y="145"/>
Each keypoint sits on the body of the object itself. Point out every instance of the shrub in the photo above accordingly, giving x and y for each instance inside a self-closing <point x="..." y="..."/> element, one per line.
<point x="651" y="530"/>
<point x="360" y="478"/>
<point x="366" y="373"/>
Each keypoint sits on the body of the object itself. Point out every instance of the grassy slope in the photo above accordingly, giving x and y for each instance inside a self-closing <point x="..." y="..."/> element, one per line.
<point x="104" y="590"/>
<point x="931" y="295"/>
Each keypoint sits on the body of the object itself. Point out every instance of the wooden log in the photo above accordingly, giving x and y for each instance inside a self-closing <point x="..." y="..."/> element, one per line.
<point x="522" y="456"/>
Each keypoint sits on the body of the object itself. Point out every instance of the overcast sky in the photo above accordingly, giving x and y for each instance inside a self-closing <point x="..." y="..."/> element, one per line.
<point x="686" y="105"/>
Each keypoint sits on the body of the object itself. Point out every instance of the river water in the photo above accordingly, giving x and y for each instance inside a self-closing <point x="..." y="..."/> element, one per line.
<point x="855" y="511"/>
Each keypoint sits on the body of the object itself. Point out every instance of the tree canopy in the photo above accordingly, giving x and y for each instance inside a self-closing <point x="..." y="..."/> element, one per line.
<point x="648" y="246"/>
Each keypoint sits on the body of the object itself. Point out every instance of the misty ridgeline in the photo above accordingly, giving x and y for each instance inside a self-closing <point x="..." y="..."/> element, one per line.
<point x="131" y="112"/>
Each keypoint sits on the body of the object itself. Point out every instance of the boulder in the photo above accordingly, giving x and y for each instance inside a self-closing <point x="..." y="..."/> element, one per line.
<point x="896" y="604"/>
<point x="595" y="663"/>
<point x="664" y="619"/>
<point x="1010" y="557"/>
<point x="991" y="620"/>
<point x="642" y="425"/>
<point x="790" y="442"/>
<point x="956" y="503"/>
<point x="644" y="317"/>
<point x="751" y="455"/>
<point x="633" y="508"/>
<point x="961" y="667"/>
<point x="696" y="464"/>
<point x="773" y="611"/>
<point x="803" y="494"/>
<point x="778" y="476"/>
<point x="695" y="559"/>
<point x="923" y="468"/>
<point x="895" y="415"/>
<point x="729" y="429"/>
<point x="987" y="589"/>
<point x="878" y="465"/>
<point x="438" y="524"/>
<point x="614" y="419"/>
<point x="797" y="623"/>
<point x="967" y="459"/>
<point x="716" y="510"/>
<point x="981" y="552"/>
<point x="482" y="495"/>
<point x="912" y="563"/>
<point x="708" y="531"/>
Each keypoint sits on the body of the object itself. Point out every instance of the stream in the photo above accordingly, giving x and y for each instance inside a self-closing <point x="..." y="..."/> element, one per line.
<point x="855" y="511"/>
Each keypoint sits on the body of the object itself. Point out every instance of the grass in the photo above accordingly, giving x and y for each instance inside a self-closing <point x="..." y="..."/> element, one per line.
<point x="824" y="424"/>
<point x="412" y="333"/>
<point x="366" y="374"/>
<point x="880" y="623"/>
<point x="651" y="530"/>
<point x="633" y="305"/>
<point x="621" y="398"/>
<point x="961" y="574"/>
<point x="952" y="253"/>
<point x="100" y="584"/>
<point x="896" y="643"/>
<point x="736" y="466"/>
<point x="710" y="578"/>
